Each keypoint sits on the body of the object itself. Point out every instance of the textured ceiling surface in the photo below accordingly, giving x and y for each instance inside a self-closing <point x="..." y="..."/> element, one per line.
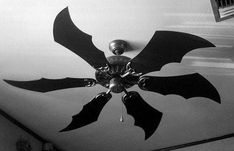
<point x="28" y="51"/>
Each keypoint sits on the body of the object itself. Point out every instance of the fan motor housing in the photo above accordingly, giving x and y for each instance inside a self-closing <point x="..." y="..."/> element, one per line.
<point x="116" y="85"/>
<point x="111" y="78"/>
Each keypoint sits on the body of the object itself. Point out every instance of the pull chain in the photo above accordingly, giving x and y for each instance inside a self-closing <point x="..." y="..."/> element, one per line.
<point x="121" y="117"/>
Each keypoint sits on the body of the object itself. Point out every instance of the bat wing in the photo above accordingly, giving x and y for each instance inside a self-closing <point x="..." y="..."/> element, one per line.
<point x="89" y="113"/>
<point x="46" y="85"/>
<point x="166" y="47"/>
<point x="68" y="35"/>
<point x="187" y="86"/>
<point x="145" y="116"/>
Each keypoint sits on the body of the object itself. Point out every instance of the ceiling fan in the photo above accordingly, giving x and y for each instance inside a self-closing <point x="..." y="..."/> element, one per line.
<point x="118" y="73"/>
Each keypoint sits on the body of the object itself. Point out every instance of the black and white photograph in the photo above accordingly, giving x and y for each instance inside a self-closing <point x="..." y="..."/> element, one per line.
<point x="117" y="75"/>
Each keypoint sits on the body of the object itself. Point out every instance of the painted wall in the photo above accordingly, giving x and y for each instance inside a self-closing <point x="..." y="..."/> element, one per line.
<point x="10" y="133"/>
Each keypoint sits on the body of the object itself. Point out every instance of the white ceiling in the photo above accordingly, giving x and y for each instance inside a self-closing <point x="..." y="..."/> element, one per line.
<point x="28" y="51"/>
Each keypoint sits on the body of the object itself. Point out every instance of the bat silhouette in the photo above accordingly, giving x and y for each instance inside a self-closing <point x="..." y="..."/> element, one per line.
<point x="89" y="113"/>
<point x="145" y="116"/>
<point x="187" y="86"/>
<point x="164" y="47"/>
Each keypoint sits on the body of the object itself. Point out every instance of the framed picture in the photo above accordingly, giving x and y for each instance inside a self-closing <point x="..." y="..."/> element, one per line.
<point x="223" y="9"/>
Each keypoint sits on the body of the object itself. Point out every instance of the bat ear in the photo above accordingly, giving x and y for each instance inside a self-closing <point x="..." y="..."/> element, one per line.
<point x="145" y="116"/>
<point x="89" y="113"/>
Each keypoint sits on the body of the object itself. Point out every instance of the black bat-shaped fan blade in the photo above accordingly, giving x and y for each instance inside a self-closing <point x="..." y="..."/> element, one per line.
<point x="46" y="85"/>
<point x="68" y="35"/>
<point x="144" y="115"/>
<point x="89" y="113"/>
<point x="166" y="47"/>
<point x="187" y="86"/>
